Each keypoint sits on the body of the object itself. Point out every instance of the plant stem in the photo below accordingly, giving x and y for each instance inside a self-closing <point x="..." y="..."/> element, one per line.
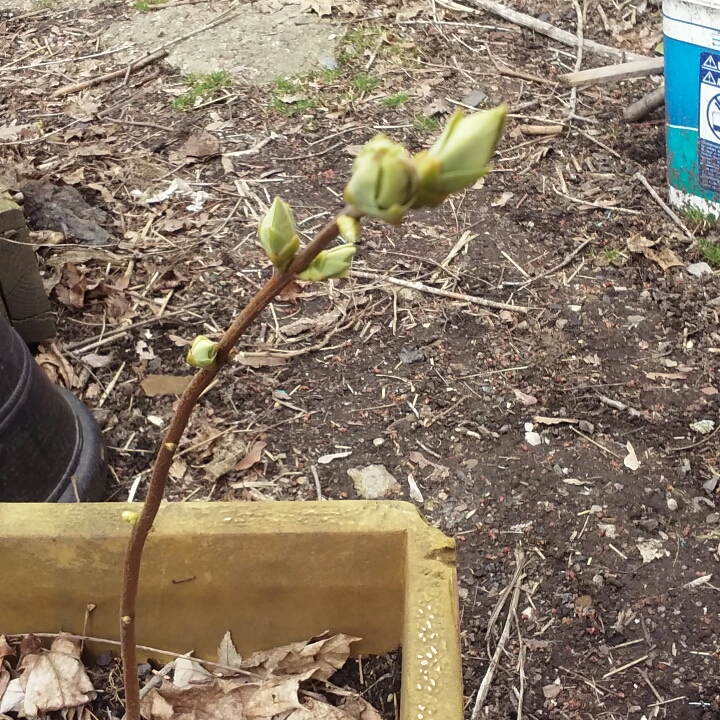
<point x="164" y="458"/>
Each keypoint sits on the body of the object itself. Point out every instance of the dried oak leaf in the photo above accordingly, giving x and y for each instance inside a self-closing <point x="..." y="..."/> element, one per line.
<point x="321" y="658"/>
<point x="55" y="679"/>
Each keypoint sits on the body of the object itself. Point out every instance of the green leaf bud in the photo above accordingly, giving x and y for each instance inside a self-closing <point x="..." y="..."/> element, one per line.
<point x="278" y="236"/>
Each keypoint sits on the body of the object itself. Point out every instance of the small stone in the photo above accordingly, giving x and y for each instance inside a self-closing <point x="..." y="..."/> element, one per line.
<point x="377" y="442"/>
<point x="410" y="354"/>
<point x="474" y="98"/>
<point x="533" y="438"/>
<point x="373" y="482"/>
<point x="672" y="504"/>
<point x="711" y="484"/>
<point x="598" y="580"/>
<point x="505" y="429"/>
<point x="561" y="323"/>
<point x="712" y="518"/>
<point x="698" y="269"/>
<point x="328" y="63"/>
<point x="586" y="427"/>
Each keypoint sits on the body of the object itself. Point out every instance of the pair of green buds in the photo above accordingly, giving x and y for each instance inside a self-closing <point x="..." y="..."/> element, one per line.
<point x="279" y="239"/>
<point x="387" y="181"/>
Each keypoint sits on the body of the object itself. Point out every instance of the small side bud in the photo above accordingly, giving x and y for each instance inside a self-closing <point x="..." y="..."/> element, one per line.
<point x="202" y="353"/>
<point x="130" y="516"/>
<point x="278" y="236"/>
<point x="349" y="228"/>
<point x="333" y="263"/>
<point x="384" y="180"/>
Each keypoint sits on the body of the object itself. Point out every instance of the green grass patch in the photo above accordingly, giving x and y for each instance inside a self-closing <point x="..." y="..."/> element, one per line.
<point x="297" y="107"/>
<point x="710" y="251"/>
<point x="425" y="124"/>
<point x="393" y="101"/>
<point x="365" y="83"/>
<point x="201" y="88"/>
<point x="145" y="5"/>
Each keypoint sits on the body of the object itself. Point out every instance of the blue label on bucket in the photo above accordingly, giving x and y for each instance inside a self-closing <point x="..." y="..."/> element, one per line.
<point x="709" y="121"/>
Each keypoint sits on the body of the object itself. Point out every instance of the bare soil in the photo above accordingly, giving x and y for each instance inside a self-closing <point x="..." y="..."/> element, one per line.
<point x="621" y="353"/>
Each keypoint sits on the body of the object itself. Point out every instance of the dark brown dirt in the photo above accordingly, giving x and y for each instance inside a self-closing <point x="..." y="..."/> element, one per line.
<point x="609" y="330"/>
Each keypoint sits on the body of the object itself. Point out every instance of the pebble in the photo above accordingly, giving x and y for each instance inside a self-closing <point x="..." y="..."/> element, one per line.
<point x="586" y="427"/>
<point x="373" y="482"/>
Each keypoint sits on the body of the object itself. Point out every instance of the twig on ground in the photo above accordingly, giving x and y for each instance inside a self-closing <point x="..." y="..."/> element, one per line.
<point x="495" y="660"/>
<point x="146" y="648"/>
<point x="508" y="72"/>
<point x="617" y="405"/>
<point x="541" y="129"/>
<point x="699" y="442"/>
<point x="640" y="108"/>
<point x="594" y="204"/>
<point x="316" y="477"/>
<point x="442" y="293"/>
<point x="595" y="443"/>
<point x="565" y="261"/>
<point x="578" y="59"/>
<point x="624" y="667"/>
<point x="544" y="28"/>
<point x="663" y="205"/>
<point x="82" y="346"/>
<point x="615" y="73"/>
<point x="99" y="79"/>
<point x="110" y="386"/>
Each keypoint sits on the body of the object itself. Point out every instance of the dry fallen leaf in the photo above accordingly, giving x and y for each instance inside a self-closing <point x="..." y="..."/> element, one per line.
<point x="55" y="679"/>
<point x="359" y="709"/>
<point x="631" y="460"/>
<point x="651" y="550"/>
<point x="5" y="649"/>
<point x="666" y="258"/>
<point x="320" y="658"/>
<point x="554" y="420"/>
<point x="321" y="7"/>
<point x="257" y="360"/>
<point x="665" y="376"/>
<point x="227" y="652"/>
<point x="524" y="397"/>
<point x="55" y="366"/>
<point x="254" y="455"/>
<point x="154" y="385"/>
<point x="200" y="145"/>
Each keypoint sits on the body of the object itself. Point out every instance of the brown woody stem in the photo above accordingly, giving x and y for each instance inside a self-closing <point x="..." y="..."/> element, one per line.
<point x="156" y="488"/>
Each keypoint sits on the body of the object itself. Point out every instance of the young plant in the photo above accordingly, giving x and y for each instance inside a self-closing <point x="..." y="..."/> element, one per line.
<point x="386" y="183"/>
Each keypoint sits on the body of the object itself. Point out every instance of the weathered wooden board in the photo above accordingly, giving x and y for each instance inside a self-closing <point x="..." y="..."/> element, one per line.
<point x="22" y="296"/>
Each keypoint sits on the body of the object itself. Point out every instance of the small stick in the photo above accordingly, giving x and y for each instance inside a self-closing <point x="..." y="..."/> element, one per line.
<point x="541" y="129"/>
<point x="640" y="108"/>
<point x="442" y="293"/>
<point x="544" y="28"/>
<point x="597" y="444"/>
<point x="622" y="668"/>
<point x="598" y="205"/>
<point x="578" y="59"/>
<point x="158" y="677"/>
<point x="495" y="660"/>
<point x="615" y="73"/>
<point x="137" y="65"/>
<point x="110" y="386"/>
<point x="699" y="442"/>
<point x="666" y="208"/>
<point x="82" y="346"/>
<point x="147" y="648"/>
<point x="318" y="487"/>
<point x="566" y="261"/>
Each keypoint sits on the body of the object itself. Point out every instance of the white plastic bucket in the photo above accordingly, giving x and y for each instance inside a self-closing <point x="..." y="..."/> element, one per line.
<point x="692" y="103"/>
